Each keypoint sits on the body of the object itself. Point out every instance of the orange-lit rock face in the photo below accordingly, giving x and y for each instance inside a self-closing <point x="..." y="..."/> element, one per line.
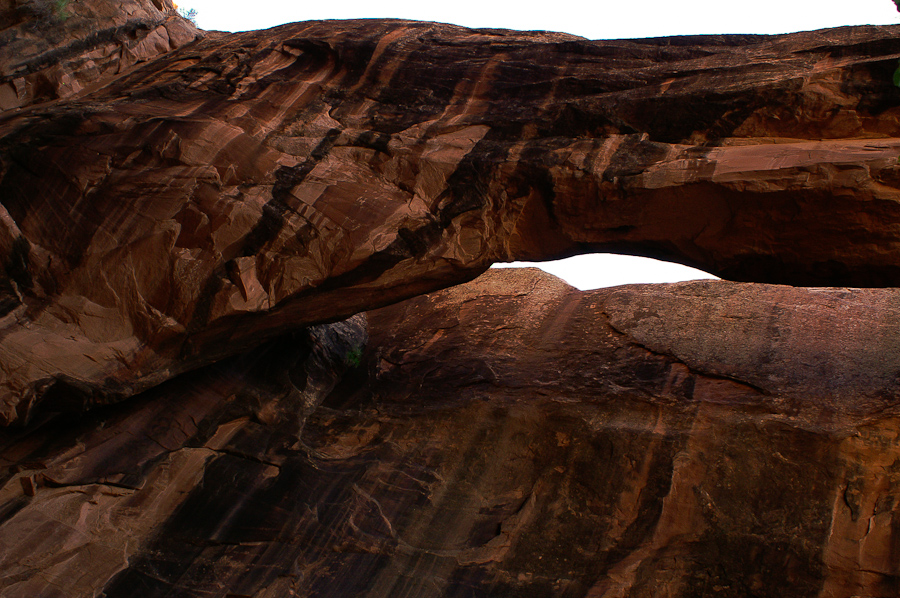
<point x="203" y="201"/>
<point x="511" y="436"/>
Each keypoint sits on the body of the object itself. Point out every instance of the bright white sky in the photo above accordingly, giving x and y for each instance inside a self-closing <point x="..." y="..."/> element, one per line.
<point x="597" y="19"/>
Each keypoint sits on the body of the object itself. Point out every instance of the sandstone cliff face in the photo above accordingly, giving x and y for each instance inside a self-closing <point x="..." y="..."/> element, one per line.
<point x="83" y="497"/>
<point x="187" y="221"/>
<point x="62" y="49"/>
<point x="508" y="437"/>
<point x="192" y="207"/>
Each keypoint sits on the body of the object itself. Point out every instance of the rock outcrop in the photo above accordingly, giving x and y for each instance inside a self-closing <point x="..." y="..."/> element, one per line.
<point x="512" y="437"/>
<point x="167" y="215"/>
<point x="82" y="497"/>
<point x="63" y="49"/>
<point x="194" y="221"/>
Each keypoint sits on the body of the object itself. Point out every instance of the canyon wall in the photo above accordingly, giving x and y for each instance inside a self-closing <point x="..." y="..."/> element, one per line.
<point x="228" y="367"/>
<point x="508" y="437"/>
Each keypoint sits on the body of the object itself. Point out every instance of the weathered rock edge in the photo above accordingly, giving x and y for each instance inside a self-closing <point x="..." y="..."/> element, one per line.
<point x="195" y="206"/>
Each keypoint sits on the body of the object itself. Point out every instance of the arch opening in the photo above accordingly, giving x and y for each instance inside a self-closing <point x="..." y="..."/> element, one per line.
<point x="600" y="270"/>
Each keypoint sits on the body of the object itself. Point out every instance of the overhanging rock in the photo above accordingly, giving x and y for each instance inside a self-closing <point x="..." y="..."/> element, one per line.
<point x="203" y="201"/>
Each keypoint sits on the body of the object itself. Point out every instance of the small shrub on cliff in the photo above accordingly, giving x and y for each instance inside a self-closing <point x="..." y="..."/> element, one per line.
<point x="61" y="9"/>
<point x="353" y="357"/>
<point x="45" y="10"/>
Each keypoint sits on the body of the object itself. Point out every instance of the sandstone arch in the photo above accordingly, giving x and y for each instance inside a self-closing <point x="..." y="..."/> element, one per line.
<point x="194" y="205"/>
<point x="166" y="204"/>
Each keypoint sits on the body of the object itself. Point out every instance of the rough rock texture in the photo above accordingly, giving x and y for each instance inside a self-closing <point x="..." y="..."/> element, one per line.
<point x="192" y="218"/>
<point x="192" y="207"/>
<point x="83" y="496"/>
<point x="64" y="49"/>
<point x="508" y="437"/>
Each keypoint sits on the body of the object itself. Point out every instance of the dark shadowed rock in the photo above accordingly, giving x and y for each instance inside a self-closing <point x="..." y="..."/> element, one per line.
<point x="99" y="485"/>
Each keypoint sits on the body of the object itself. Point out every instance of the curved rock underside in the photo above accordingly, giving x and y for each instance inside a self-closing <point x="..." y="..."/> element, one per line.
<point x="508" y="437"/>
<point x="164" y="205"/>
<point x="193" y="218"/>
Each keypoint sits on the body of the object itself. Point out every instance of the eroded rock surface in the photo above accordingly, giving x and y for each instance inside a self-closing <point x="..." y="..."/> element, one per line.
<point x="176" y="208"/>
<point x="509" y="437"/>
<point x="194" y="206"/>
<point x="83" y="496"/>
<point x="62" y="49"/>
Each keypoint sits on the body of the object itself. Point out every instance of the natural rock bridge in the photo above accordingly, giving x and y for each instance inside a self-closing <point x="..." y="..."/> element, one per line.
<point x="182" y="214"/>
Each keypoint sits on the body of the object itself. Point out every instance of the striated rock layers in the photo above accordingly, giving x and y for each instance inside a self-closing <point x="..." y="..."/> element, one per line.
<point x="62" y="49"/>
<point x="191" y="220"/>
<point x="508" y="437"/>
<point x="164" y="206"/>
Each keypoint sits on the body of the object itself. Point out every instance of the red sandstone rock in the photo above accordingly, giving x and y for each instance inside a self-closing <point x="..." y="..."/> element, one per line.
<point x="199" y="203"/>
<point x="168" y="205"/>
<point x="61" y="49"/>
<point x="511" y="436"/>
